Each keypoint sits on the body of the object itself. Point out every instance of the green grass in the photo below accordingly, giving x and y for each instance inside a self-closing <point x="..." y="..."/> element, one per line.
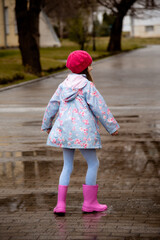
<point x="53" y="59"/>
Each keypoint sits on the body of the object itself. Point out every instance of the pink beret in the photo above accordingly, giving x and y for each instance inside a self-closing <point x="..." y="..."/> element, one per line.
<point x="78" y="61"/>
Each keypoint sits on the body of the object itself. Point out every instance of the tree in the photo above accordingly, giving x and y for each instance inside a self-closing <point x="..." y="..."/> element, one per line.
<point x="59" y="11"/>
<point x="73" y="16"/>
<point x="119" y="8"/>
<point x="78" y="30"/>
<point x="105" y="27"/>
<point x="27" y="15"/>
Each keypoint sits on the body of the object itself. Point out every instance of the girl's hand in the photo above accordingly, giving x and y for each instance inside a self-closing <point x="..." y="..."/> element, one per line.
<point x="115" y="133"/>
<point x="48" y="131"/>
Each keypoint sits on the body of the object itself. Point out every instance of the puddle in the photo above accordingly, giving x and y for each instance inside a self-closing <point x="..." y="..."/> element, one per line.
<point x="32" y="123"/>
<point x="128" y="116"/>
<point x="34" y="153"/>
<point x="28" y="202"/>
<point x="36" y="169"/>
<point x="127" y="119"/>
<point x="17" y="170"/>
<point x="132" y="135"/>
<point x="155" y="126"/>
<point x="91" y="224"/>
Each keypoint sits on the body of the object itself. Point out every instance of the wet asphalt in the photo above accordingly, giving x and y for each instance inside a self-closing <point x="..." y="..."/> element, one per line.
<point x="129" y="172"/>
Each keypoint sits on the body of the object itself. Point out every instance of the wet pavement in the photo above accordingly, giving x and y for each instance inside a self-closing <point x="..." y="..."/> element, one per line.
<point x="129" y="172"/>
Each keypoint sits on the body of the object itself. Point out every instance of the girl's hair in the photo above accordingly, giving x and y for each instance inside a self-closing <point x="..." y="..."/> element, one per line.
<point x="89" y="77"/>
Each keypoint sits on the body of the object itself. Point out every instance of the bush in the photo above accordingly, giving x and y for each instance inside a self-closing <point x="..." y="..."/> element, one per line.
<point x="52" y="70"/>
<point x="78" y="30"/>
<point x="104" y="28"/>
<point x="15" y="77"/>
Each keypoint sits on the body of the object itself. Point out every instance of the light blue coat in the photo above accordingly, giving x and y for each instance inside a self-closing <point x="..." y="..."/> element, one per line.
<point x="79" y="106"/>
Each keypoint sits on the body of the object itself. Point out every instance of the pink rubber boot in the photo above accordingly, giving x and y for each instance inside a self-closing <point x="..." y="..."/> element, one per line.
<point x="90" y="203"/>
<point x="61" y="203"/>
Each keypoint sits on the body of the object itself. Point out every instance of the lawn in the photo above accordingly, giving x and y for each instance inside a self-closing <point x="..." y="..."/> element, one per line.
<point x="53" y="59"/>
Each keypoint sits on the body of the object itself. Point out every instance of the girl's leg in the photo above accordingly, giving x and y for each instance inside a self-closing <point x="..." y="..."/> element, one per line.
<point x="93" y="165"/>
<point x="68" y="157"/>
<point x="90" y="189"/>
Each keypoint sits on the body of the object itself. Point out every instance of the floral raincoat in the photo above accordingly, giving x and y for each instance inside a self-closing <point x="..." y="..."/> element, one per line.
<point x="78" y="106"/>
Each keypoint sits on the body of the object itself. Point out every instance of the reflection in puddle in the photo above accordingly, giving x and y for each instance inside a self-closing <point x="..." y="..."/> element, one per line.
<point x="32" y="123"/>
<point x="91" y="223"/>
<point x="30" y="169"/>
<point x="28" y="202"/>
<point x="18" y="154"/>
<point x="147" y="154"/>
<point x="87" y="224"/>
<point x="155" y="126"/>
<point x="128" y="119"/>
<point x="28" y="174"/>
<point x="135" y="155"/>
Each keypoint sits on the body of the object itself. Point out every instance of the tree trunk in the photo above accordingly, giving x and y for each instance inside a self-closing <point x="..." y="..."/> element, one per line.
<point x="116" y="31"/>
<point x="93" y="32"/>
<point x="115" y="37"/>
<point x="27" y="15"/>
<point x="82" y="46"/>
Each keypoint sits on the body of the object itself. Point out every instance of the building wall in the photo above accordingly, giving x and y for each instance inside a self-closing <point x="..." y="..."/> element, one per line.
<point x="47" y="35"/>
<point x="11" y="33"/>
<point x="147" y="31"/>
<point x="144" y="26"/>
<point x="12" y="36"/>
<point x="2" y="42"/>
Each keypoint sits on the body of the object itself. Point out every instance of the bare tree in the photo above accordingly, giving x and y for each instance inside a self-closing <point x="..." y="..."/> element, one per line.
<point x="59" y="11"/>
<point x="69" y="14"/>
<point x="119" y="8"/>
<point x="27" y="15"/>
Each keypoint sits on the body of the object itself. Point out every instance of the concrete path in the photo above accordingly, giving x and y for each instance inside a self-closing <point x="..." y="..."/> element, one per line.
<point x="129" y="172"/>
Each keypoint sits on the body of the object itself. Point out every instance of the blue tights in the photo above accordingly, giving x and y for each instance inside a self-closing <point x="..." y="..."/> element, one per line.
<point x="92" y="161"/>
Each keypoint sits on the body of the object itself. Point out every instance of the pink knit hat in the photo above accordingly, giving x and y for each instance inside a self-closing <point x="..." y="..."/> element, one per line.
<point x="78" y="61"/>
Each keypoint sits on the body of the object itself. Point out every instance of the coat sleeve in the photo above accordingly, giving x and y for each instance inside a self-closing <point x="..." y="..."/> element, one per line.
<point x="51" y="110"/>
<point x="100" y="109"/>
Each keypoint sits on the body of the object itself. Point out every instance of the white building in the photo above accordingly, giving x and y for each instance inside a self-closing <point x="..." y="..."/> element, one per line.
<point x="8" y="27"/>
<point x="145" y="26"/>
<point x="48" y="37"/>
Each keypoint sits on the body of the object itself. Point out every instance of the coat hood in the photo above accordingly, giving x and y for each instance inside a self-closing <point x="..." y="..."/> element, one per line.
<point x="71" y="86"/>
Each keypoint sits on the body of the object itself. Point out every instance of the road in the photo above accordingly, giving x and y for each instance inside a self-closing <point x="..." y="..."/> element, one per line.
<point x="129" y="172"/>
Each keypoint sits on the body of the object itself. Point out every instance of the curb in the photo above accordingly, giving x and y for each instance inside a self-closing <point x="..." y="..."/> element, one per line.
<point x="30" y="81"/>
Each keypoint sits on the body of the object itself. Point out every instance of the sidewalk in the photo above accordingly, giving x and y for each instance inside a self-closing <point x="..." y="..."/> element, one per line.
<point x="129" y="172"/>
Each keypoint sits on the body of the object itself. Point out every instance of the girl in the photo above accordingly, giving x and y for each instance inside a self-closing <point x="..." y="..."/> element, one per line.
<point x="79" y="106"/>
